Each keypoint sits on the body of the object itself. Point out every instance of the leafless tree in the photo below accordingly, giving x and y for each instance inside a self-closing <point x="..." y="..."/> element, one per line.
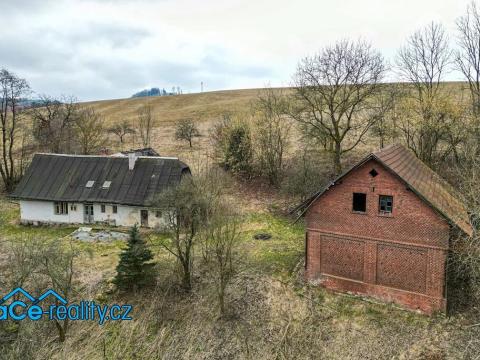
<point x="423" y="62"/>
<point x="146" y="122"/>
<point x="12" y="88"/>
<point x="333" y="90"/>
<point x="186" y="130"/>
<point x="90" y="132"/>
<point x="58" y="266"/>
<point x="272" y="131"/>
<point x="467" y="58"/>
<point x="54" y="123"/>
<point x="189" y="208"/>
<point x="221" y="249"/>
<point x="385" y="111"/>
<point x="121" y="130"/>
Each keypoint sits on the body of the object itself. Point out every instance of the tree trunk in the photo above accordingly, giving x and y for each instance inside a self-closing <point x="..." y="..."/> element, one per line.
<point x="186" y="281"/>
<point x="337" y="158"/>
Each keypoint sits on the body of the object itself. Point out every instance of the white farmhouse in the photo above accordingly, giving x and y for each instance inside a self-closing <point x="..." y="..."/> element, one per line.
<point x="83" y="189"/>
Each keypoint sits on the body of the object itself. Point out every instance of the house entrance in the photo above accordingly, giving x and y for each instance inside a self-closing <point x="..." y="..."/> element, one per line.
<point x="88" y="214"/>
<point x="144" y="218"/>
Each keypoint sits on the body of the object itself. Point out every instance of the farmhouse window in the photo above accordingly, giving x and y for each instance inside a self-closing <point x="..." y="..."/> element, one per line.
<point x="359" y="202"/>
<point x="385" y="204"/>
<point x="61" y="208"/>
<point x="158" y="214"/>
<point x="114" y="209"/>
<point x="102" y="208"/>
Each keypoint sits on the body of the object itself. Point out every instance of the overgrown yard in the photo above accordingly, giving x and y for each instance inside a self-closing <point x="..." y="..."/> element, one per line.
<point x="272" y="313"/>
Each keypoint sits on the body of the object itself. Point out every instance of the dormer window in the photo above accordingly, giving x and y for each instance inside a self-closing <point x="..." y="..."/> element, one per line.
<point x="106" y="185"/>
<point x="90" y="183"/>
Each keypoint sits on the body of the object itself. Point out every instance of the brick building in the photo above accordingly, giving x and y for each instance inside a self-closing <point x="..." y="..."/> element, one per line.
<point x="383" y="229"/>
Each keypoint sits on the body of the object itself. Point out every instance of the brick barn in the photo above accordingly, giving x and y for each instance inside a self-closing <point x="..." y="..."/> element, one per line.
<point x="383" y="229"/>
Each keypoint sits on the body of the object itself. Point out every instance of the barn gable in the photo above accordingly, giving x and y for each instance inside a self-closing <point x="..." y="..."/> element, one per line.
<point x="419" y="178"/>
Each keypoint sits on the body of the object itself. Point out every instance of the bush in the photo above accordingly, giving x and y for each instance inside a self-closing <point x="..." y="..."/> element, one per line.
<point x="306" y="173"/>
<point x="233" y="145"/>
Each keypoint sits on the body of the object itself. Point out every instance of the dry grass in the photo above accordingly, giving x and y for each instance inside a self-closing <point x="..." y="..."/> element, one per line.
<point x="203" y="108"/>
<point x="273" y="313"/>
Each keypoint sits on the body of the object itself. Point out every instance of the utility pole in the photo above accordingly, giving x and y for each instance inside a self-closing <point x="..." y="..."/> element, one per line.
<point x="201" y="86"/>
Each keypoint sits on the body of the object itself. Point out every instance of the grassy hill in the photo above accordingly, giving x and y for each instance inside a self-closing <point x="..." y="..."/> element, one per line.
<point x="204" y="108"/>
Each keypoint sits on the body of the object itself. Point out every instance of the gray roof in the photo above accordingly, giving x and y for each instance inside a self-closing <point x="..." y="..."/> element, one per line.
<point x="56" y="177"/>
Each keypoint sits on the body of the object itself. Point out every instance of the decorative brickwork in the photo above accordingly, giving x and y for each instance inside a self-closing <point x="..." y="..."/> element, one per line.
<point x="402" y="267"/>
<point x="342" y="257"/>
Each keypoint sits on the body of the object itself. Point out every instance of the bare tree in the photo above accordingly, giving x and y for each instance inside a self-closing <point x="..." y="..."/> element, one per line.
<point x="272" y="131"/>
<point x="54" y="122"/>
<point x="189" y="208"/>
<point x="185" y="213"/>
<point x="146" y="122"/>
<point x="58" y="266"/>
<point x="43" y="264"/>
<point x="12" y="88"/>
<point x="221" y="247"/>
<point x="423" y="62"/>
<point x="385" y="112"/>
<point x="333" y="92"/>
<point x="90" y="131"/>
<point x="467" y="58"/>
<point x="121" y="130"/>
<point x="186" y="130"/>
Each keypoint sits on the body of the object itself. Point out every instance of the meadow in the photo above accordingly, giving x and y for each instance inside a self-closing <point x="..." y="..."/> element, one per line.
<point x="272" y="312"/>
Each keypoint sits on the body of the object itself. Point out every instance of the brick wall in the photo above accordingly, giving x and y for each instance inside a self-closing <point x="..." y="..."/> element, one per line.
<point x="398" y="258"/>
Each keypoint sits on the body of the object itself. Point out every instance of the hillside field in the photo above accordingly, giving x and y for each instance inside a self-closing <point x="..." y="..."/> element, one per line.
<point x="203" y="108"/>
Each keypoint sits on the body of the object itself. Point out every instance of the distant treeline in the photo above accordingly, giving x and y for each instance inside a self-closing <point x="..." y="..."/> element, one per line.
<point x="157" y="92"/>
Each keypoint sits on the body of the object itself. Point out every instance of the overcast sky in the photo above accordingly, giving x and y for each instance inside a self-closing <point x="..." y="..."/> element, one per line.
<point x="104" y="49"/>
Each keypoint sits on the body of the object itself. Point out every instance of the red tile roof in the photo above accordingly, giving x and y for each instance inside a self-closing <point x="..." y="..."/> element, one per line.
<point x="425" y="183"/>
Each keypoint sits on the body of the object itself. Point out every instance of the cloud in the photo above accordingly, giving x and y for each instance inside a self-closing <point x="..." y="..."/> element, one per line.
<point x="99" y="49"/>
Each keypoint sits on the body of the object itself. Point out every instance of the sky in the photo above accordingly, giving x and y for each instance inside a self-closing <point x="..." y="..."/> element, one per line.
<point x="107" y="49"/>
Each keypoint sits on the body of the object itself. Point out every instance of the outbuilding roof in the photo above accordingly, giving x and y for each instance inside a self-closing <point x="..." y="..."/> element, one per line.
<point x="419" y="178"/>
<point x="74" y="178"/>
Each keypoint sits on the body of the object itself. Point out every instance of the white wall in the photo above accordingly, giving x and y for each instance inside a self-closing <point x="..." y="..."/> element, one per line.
<point x="44" y="211"/>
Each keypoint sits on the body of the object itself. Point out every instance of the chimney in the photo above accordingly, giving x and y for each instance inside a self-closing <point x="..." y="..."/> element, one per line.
<point x="132" y="158"/>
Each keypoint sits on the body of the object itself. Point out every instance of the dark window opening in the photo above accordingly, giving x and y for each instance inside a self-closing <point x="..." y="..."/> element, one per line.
<point x="359" y="202"/>
<point x="61" y="208"/>
<point x="114" y="209"/>
<point x="158" y="214"/>
<point x="102" y="208"/>
<point x="385" y="204"/>
<point x="373" y="173"/>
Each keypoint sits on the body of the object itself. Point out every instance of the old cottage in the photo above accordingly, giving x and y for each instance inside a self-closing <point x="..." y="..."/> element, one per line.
<point x="96" y="189"/>
<point x="383" y="229"/>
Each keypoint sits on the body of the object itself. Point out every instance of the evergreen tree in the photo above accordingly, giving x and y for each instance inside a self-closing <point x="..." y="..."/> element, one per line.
<point x="134" y="269"/>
